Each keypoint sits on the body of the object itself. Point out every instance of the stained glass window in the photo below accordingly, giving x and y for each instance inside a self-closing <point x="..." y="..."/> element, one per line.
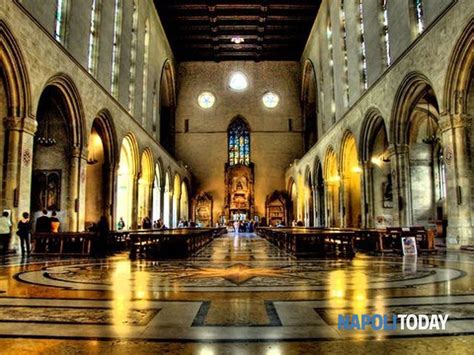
<point x="59" y="27"/>
<point x="239" y="143"/>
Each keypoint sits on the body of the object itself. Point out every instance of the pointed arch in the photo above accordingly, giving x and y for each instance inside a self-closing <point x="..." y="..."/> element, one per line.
<point x="73" y="103"/>
<point x="145" y="185"/>
<point x="460" y="72"/>
<point x="372" y="123"/>
<point x="309" y="98"/>
<point x="167" y="105"/>
<point x="412" y="88"/>
<point x="101" y="167"/>
<point x="15" y="76"/>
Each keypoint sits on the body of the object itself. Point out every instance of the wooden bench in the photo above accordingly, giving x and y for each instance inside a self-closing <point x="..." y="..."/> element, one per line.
<point x="63" y="243"/>
<point x="303" y="242"/>
<point x="171" y="243"/>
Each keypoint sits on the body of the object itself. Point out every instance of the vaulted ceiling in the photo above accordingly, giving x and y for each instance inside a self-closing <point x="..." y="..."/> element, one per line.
<point x="219" y="30"/>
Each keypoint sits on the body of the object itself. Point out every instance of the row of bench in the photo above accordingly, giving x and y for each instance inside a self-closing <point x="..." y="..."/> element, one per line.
<point x="304" y="241"/>
<point x="168" y="243"/>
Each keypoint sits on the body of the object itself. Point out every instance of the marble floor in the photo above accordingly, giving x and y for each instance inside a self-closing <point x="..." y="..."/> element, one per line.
<point x="240" y="295"/>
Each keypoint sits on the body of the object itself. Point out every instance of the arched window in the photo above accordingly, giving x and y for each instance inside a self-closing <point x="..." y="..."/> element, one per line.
<point x="94" y="37"/>
<point x="60" y="20"/>
<point x="239" y="142"/>
<point x="385" y="32"/>
<point x="116" y="47"/>
<point x="342" y="16"/>
<point x="362" y="45"/>
<point x="133" y="59"/>
<point x="420" y="16"/>
<point x="145" y="73"/>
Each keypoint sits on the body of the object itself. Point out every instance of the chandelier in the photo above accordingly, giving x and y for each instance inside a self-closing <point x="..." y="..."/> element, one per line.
<point x="44" y="137"/>
<point x="430" y="137"/>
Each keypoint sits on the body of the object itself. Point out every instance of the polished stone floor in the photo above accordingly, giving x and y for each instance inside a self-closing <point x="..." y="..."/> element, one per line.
<point x="239" y="295"/>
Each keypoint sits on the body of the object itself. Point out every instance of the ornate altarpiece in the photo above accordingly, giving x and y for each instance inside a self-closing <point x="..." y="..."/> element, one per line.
<point x="239" y="194"/>
<point x="202" y="209"/>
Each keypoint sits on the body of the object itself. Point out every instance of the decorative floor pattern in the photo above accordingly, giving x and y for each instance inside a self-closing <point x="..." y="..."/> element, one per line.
<point x="237" y="289"/>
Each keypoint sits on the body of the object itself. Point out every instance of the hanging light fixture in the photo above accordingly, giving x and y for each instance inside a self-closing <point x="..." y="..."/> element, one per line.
<point x="44" y="137"/>
<point x="430" y="137"/>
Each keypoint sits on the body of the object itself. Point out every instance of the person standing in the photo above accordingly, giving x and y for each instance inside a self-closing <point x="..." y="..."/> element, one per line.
<point x="43" y="223"/>
<point x="24" y="230"/>
<point x="54" y="222"/>
<point x="121" y="224"/>
<point x="5" y="231"/>
<point x="103" y="235"/>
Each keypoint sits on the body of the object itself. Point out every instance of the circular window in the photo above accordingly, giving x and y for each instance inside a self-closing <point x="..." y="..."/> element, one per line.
<point x="206" y="100"/>
<point x="270" y="100"/>
<point x="238" y="81"/>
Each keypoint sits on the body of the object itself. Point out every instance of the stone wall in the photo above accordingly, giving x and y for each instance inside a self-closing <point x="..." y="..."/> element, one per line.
<point x="273" y="146"/>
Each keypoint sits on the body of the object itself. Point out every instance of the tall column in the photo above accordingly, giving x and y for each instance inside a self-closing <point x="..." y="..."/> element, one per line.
<point x="367" y="208"/>
<point x="315" y="212"/>
<point x="135" y="202"/>
<point x="19" y="133"/>
<point x="456" y="156"/>
<point x="400" y="170"/>
<point x="161" y="191"/>
<point x="76" y="178"/>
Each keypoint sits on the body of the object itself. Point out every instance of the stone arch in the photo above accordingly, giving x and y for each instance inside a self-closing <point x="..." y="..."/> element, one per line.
<point x="158" y="182"/>
<point x="145" y="185"/>
<point x="127" y="181"/>
<point x="372" y="122"/>
<point x="15" y="116"/>
<point x="14" y="74"/>
<point x="167" y="105"/>
<point x="351" y="181"/>
<point x="332" y="181"/>
<point x="412" y="88"/>
<point x="309" y="98"/>
<point x="459" y="73"/>
<point x="59" y="160"/>
<point x="100" y="170"/>
<point x="319" y="200"/>
<point x="377" y="177"/>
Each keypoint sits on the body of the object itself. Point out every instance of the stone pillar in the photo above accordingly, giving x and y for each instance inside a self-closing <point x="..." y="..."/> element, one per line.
<point x="454" y="139"/>
<point x="367" y="208"/>
<point x="315" y="203"/>
<point x="19" y="133"/>
<point x="111" y="190"/>
<point x="342" y="200"/>
<point x="135" y="203"/>
<point x="161" y="192"/>
<point x="76" y="179"/>
<point x="400" y="168"/>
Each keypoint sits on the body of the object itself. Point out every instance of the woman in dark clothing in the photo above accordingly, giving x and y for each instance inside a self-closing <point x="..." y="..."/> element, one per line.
<point x="24" y="230"/>
<point x="103" y="231"/>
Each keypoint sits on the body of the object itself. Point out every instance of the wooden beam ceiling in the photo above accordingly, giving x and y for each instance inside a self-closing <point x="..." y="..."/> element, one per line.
<point x="270" y="29"/>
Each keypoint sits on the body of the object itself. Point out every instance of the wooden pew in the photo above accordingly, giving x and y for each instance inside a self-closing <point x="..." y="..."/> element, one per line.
<point x="171" y="243"/>
<point x="63" y="243"/>
<point x="302" y="242"/>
